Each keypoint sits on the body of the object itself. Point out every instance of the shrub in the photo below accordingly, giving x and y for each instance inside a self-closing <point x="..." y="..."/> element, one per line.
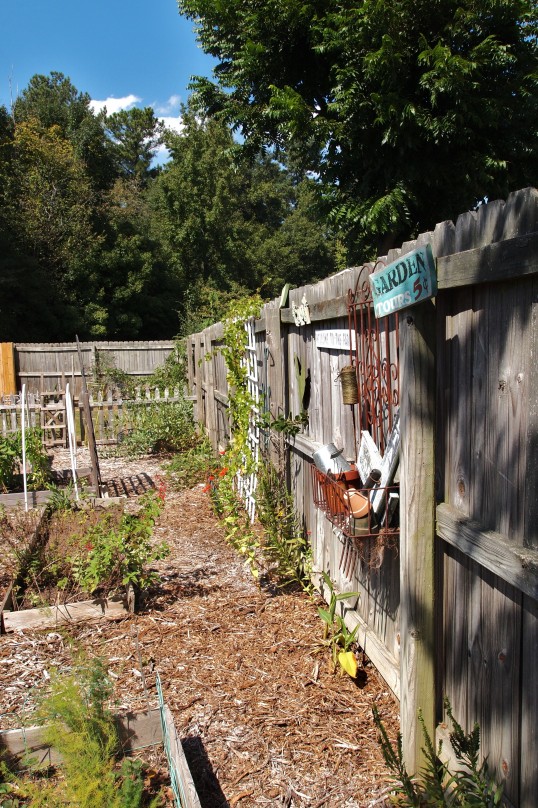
<point x="284" y="540"/>
<point x="162" y="427"/>
<point x="121" y="551"/>
<point x="82" y="729"/>
<point x="11" y="459"/>
<point x="171" y="373"/>
<point x="436" y="786"/>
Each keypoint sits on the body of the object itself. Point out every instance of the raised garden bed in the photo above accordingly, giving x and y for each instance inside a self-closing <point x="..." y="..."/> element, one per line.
<point x="150" y="736"/>
<point x="152" y="730"/>
<point x="78" y="564"/>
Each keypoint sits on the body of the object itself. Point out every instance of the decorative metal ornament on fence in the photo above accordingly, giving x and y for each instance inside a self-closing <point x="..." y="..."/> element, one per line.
<point x="363" y="509"/>
<point x="375" y="356"/>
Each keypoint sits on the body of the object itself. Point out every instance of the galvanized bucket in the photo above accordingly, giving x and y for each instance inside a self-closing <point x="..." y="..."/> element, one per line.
<point x="329" y="459"/>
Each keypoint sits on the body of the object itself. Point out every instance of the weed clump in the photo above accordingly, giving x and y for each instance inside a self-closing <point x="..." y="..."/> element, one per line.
<point x="82" y="729"/>
<point x="436" y="786"/>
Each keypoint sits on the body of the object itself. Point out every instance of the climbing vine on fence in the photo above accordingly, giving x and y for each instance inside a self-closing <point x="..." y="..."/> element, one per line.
<point x="284" y="544"/>
<point x="238" y="460"/>
<point x="241" y="400"/>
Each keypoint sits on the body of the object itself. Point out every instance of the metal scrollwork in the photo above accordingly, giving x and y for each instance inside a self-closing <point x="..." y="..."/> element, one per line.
<point x="376" y="359"/>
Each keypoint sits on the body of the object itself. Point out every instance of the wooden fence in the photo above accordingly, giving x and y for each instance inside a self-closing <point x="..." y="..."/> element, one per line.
<point x="109" y="413"/>
<point x="45" y="368"/>
<point x="453" y="609"/>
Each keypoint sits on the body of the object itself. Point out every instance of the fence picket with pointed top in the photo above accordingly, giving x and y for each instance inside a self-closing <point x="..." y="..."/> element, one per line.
<point x="108" y="411"/>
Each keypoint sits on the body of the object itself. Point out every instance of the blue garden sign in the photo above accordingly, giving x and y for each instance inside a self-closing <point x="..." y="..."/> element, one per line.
<point x="407" y="281"/>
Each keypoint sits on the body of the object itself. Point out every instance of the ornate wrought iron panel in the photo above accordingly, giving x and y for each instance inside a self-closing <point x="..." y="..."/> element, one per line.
<point x="374" y="353"/>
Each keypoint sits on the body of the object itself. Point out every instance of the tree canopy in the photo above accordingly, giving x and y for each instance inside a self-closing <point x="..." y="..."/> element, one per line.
<point x="97" y="239"/>
<point x="409" y="112"/>
<point x="135" y="134"/>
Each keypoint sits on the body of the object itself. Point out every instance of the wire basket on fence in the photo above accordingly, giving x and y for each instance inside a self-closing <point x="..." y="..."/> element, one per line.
<point x="359" y="513"/>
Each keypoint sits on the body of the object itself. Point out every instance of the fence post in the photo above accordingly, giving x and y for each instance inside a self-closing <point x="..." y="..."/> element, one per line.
<point x="417" y="527"/>
<point x="8" y="384"/>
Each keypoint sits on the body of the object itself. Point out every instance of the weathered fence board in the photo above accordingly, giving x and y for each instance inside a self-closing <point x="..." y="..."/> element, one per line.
<point x="46" y="367"/>
<point x="109" y="413"/>
<point x="471" y="629"/>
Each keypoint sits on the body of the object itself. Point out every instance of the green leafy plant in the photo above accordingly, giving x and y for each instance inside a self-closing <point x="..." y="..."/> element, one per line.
<point x="81" y="728"/>
<point x="37" y="460"/>
<point x="238" y="462"/>
<point x="171" y="373"/>
<point x="120" y="552"/>
<point x="287" y="425"/>
<point x="107" y="375"/>
<point x="228" y="506"/>
<point x="284" y="541"/>
<point x="188" y="467"/>
<point x="336" y="635"/>
<point x="62" y="499"/>
<point x="9" y="460"/>
<point x="167" y="426"/>
<point x="469" y="786"/>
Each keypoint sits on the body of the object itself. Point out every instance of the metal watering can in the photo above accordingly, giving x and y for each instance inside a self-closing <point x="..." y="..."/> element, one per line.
<point x="329" y="459"/>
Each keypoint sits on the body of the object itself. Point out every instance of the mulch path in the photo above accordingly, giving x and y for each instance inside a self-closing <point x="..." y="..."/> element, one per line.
<point x="262" y="720"/>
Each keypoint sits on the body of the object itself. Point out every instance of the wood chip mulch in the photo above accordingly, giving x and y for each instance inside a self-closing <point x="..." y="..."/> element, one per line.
<point x="262" y="720"/>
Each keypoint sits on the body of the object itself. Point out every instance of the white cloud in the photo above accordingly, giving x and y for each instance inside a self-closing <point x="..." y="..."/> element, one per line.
<point x="115" y="104"/>
<point x="175" y="123"/>
<point x="169" y="106"/>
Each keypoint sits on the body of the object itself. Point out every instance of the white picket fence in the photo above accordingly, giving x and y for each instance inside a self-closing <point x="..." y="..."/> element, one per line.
<point x="109" y="413"/>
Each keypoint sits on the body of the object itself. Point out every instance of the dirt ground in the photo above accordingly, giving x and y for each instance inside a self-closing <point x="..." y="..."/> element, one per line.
<point x="262" y="721"/>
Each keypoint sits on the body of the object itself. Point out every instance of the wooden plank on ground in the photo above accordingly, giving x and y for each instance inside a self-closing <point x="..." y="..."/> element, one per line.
<point x="179" y="763"/>
<point x="16" y="500"/>
<point x="56" y="615"/>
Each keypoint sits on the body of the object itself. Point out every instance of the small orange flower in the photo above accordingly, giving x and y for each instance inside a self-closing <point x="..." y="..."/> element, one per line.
<point x="223" y="471"/>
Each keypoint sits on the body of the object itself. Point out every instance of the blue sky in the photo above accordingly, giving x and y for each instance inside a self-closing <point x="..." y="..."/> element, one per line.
<point x="122" y="52"/>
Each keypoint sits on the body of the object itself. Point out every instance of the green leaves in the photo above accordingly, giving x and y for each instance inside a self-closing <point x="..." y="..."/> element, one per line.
<point x="336" y="635"/>
<point x="11" y="459"/>
<point x="465" y="785"/>
<point x="438" y="100"/>
<point x="120" y="553"/>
